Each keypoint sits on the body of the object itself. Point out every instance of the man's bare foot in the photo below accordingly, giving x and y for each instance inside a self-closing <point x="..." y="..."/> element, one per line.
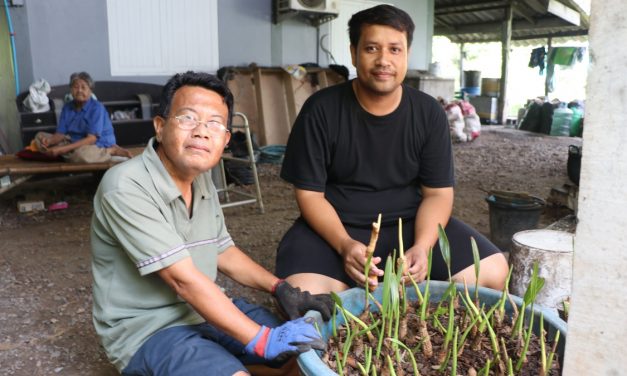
<point x="119" y="151"/>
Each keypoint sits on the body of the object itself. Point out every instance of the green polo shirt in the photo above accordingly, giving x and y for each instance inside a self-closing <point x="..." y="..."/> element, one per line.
<point x="141" y="225"/>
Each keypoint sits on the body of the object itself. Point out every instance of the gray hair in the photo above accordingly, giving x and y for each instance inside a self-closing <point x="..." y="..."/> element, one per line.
<point x="82" y="76"/>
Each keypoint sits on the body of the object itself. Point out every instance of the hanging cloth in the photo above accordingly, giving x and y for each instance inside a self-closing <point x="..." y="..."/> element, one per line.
<point x="537" y="58"/>
<point x="566" y="56"/>
<point x="563" y="55"/>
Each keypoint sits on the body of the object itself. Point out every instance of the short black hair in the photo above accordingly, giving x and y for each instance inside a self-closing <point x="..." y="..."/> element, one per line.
<point x="385" y="15"/>
<point x="190" y="78"/>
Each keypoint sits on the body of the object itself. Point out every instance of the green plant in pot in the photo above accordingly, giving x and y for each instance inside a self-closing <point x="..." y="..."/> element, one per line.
<point x="437" y="328"/>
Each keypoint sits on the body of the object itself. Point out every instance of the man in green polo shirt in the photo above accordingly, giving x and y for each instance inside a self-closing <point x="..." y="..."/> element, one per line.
<point x="158" y="239"/>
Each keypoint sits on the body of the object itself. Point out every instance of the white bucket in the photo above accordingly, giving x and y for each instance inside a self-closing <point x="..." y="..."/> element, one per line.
<point x="434" y="69"/>
<point x="553" y="252"/>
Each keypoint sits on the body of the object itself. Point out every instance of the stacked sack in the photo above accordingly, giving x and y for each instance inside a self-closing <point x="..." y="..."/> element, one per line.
<point x="464" y="123"/>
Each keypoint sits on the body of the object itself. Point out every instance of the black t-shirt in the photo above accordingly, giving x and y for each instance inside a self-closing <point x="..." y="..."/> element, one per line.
<point x="368" y="164"/>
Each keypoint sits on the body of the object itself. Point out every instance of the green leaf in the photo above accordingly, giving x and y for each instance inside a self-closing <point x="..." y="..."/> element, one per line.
<point x="535" y="285"/>
<point x="445" y="248"/>
<point x="477" y="262"/>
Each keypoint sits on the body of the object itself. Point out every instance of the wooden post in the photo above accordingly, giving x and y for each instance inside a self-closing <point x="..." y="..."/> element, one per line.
<point x="461" y="66"/>
<point x="549" y="47"/>
<point x="505" y="45"/>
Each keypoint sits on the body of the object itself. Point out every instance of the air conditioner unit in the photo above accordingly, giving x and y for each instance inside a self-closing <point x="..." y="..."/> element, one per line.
<point x="310" y="6"/>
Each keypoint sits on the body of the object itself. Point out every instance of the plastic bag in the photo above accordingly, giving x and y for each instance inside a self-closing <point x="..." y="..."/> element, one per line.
<point x="37" y="99"/>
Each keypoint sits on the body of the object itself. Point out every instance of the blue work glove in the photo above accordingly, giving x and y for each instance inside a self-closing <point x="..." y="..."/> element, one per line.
<point x="295" y="303"/>
<point x="291" y="338"/>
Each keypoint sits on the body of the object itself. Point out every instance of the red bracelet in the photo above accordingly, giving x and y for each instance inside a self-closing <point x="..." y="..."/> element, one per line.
<point x="276" y="284"/>
<point x="260" y="346"/>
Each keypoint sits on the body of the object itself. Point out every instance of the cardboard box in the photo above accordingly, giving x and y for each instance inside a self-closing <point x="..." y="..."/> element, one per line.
<point x="29" y="206"/>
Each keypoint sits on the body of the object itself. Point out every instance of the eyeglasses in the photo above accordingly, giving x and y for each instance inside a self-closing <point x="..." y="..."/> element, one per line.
<point x="214" y="127"/>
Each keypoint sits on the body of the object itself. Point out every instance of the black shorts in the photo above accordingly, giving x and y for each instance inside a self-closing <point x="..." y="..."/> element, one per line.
<point x="303" y="251"/>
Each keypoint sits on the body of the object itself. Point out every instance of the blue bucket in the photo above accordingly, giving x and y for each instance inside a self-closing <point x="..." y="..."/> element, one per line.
<point x="472" y="90"/>
<point x="353" y="299"/>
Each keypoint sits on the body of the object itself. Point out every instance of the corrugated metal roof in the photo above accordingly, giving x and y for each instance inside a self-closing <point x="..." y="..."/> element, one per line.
<point x="464" y="21"/>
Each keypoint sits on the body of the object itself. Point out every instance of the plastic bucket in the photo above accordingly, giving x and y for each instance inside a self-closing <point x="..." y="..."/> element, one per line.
<point x="490" y="87"/>
<point x="472" y="91"/>
<point x="510" y="214"/>
<point x="353" y="299"/>
<point x="472" y="78"/>
<point x="573" y="164"/>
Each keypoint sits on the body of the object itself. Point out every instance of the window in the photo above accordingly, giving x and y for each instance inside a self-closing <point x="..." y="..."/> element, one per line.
<point x="162" y="37"/>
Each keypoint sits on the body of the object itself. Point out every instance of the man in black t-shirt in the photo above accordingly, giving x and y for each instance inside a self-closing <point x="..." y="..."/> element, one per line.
<point x="368" y="146"/>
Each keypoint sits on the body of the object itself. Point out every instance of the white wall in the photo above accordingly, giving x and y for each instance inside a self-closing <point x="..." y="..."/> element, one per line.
<point x="597" y="328"/>
<point x="57" y="37"/>
<point x="421" y="12"/>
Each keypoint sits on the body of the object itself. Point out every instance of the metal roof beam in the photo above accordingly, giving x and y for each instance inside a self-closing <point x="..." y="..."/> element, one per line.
<point x="467" y="6"/>
<point x="495" y="27"/>
<point x="443" y="24"/>
<point x="458" y="10"/>
<point x="536" y="6"/>
<point x="523" y="11"/>
<point x="557" y="34"/>
<point x="497" y="37"/>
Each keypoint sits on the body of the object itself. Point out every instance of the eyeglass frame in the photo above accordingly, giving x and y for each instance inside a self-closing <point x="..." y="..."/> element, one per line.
<point x="181" y="118"/>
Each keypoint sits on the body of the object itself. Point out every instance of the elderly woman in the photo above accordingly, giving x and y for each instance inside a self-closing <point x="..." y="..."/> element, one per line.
<point x="84" y="133"/>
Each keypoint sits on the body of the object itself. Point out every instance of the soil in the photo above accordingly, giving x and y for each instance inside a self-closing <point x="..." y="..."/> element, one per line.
<point x="45" y="275"/>
<point x="432" y="352"/>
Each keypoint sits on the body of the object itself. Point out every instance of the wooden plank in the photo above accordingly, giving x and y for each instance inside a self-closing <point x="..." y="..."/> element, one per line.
<point x="12" y="165"/>
<point x="245" y="99"/>
<point x="303" y="90"/>
<point x="273" y="107"/>
<point x="271" y="98"/>
<point x="583" y="7"/>
<point x="564" y="12"/>
<point x="261" y="124"/>
<point x="322" y="79"/>
<point x="290" y="98"/>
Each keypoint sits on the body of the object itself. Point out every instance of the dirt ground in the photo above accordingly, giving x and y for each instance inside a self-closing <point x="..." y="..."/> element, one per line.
<point x="45" y="275"/>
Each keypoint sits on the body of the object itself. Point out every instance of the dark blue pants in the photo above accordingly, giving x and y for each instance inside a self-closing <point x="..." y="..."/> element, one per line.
<point x="191" y="350"/>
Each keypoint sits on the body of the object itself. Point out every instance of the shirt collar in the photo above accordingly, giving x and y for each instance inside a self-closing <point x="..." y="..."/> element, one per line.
<point x="90" y="103"/>
<point x="163" y="181"/>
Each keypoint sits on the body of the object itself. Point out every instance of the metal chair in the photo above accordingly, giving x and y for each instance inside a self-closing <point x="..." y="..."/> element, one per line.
<point x="227" y="190"/>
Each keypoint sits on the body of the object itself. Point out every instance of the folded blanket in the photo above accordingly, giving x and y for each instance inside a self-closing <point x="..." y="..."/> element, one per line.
<point x="29" y="154"/>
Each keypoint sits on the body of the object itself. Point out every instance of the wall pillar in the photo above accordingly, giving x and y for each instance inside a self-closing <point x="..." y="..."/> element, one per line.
<point x="597" y="333"/>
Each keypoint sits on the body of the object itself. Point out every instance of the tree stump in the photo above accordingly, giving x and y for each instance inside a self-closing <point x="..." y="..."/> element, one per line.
<point x="553" y="252"/>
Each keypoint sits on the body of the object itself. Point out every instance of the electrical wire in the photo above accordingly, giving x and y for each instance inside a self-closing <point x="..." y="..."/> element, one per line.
<point x="323" y="48"/>
<point x="13" y="53"/>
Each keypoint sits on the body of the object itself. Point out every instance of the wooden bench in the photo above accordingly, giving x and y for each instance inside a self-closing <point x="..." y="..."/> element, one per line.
<point x="15" y="171"/>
